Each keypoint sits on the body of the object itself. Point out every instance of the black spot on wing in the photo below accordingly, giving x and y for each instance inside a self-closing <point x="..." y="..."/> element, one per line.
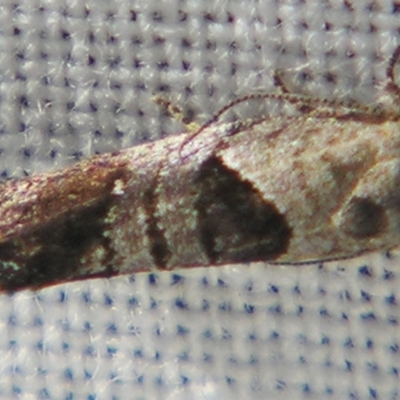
<point x="364" y="218"/>
<point x="235" y="223"/>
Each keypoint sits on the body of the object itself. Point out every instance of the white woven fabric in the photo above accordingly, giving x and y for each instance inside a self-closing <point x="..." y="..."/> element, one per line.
<point x="76" y="78"/>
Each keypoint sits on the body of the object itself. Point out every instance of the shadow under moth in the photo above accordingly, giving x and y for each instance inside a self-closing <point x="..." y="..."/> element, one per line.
<point x="320" y="185"/>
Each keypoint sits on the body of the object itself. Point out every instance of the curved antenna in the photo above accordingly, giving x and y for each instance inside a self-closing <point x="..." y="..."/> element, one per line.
<point x="392" y="86"/>
<point x="310" y="103"/>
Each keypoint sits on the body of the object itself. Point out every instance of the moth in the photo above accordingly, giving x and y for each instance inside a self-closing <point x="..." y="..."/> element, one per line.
<point x="319" y="185"/>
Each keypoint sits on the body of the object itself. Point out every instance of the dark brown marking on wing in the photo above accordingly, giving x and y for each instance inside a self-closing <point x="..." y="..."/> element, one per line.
<point x="60" y="243"/>
<point x="51" y="252"/>
<point x="159" y="248"/>
<point x="364" y="218"/>
<point x="235" y="223"/>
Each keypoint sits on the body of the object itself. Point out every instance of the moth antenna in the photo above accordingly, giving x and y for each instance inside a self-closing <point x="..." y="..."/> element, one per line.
<point x="392" y="63"/>
<point x="310" y="102"/>
<point x="279" y="82"/>
<point x="290" y="97"/>
<point x="392" y="86"/>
